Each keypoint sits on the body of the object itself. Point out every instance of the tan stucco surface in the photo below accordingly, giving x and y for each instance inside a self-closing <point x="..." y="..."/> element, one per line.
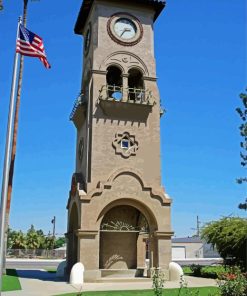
<point x="106" y="178"/>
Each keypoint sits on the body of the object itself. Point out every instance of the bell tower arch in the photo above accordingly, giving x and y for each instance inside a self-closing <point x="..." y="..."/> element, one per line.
<point x="117" y="119"/>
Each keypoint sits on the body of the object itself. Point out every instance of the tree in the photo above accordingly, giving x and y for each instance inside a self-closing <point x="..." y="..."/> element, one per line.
<point x="16" y="240"/>
<point x="60" y="242"/>
<point x="49" y="243"/>
<point x="34" y="239"/>
<point x="229" y="236"/>
<point x="42" y="239"/>
<point x="243" y="132"/>
<point x="9" y="238"/>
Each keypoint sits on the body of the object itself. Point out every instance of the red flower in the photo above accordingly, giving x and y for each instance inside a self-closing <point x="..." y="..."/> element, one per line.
<point x="230" y="276"/>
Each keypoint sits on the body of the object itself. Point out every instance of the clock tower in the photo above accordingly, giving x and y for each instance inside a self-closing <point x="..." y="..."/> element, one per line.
<point x="118" y="212"/>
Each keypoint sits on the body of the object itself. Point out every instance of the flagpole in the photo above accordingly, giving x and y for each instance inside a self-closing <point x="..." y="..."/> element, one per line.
<point x="15" y="130"/>
<point x="7" y="161"/>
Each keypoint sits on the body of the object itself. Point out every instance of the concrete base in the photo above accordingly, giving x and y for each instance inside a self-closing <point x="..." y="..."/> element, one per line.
<point x="91" y="276"/>
<point x="120" y="273"/>
<point x="108" y="280"/>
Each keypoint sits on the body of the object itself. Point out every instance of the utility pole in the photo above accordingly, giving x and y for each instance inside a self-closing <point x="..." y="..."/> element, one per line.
<point x="198" y="222"/>
<point x="198" y="226"/>
<point x="53" y="221"/>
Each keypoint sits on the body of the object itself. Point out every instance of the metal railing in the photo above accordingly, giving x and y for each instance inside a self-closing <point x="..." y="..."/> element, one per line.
<point x="137" y="95"/>
<point x="115" y="92"/>
<point x="130" y="95"/>
<point x="79" y="101"/>
<point x="37" y="253"/>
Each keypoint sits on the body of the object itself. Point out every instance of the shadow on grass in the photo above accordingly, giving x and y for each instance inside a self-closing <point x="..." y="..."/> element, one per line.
<point x="206" y="275"/>
<point x="11" y="281"/>
<point x="39" y="275"/>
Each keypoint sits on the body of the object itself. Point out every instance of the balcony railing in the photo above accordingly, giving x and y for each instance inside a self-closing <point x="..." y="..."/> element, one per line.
<point x="126" y="95"/>
<point x="80" y="100"/>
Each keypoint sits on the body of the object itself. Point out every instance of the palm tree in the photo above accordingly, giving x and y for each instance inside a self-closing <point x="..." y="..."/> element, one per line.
<point x="33" y="239"/>
<point x="17" y="240"/>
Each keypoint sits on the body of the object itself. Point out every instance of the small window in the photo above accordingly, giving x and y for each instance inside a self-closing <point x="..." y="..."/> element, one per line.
<point x="81" y="149"/>
<point x="125" y="144"/>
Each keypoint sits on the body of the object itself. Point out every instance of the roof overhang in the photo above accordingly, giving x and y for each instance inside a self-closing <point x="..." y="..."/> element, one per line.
<point x="157" y="5"/>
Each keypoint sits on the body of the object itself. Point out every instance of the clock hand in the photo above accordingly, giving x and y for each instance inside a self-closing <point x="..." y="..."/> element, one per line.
<point x="125" y="30"/>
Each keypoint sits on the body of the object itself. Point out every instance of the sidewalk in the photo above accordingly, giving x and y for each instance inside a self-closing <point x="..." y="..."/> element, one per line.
<point x="42" y="283"/>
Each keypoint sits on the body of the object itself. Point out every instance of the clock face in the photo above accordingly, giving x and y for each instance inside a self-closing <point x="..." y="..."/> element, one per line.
<point x="125" y="28"/>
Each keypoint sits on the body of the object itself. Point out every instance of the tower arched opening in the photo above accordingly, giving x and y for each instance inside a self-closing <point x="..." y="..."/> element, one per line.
<point x="114" y="82"/>
<point x="136" y="85"/>
<point x="124" y="238"/>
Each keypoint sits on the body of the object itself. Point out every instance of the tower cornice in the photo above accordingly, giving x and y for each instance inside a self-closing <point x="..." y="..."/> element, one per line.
<point x="158" y="6"/>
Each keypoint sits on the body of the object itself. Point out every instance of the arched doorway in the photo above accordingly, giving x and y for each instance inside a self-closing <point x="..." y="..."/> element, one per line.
<point x="72" y="239"/>
<point x="124" y="232"/>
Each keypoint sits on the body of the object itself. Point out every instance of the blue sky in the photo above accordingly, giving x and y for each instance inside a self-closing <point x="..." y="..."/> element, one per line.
<point x="201" y="65"/>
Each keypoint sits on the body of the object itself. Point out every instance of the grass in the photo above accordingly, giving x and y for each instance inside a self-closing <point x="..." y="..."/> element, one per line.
<point x="167" y="292"/>
<point x="51" y="270"/>
<point x="11" y="281"/>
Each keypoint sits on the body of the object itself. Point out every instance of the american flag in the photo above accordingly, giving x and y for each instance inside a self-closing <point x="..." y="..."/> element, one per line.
<point x="30" y="44"/>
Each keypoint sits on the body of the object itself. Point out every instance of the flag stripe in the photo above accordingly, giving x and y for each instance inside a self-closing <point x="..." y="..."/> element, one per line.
<point x="26" y="48"/>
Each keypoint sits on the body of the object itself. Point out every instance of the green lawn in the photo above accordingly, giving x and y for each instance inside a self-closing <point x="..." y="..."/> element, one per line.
<point x="206" y="291"/>
<point x="11" y="281"/>
<point x="51" y="270"/>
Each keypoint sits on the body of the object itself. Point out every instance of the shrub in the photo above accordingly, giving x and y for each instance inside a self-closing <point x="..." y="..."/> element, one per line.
<point x="183" y="290"/>
<point x="233" y="283"/>
<point x="229" y="236"/>
<point x="196" y="269"/>
<point x="158" y="278"/>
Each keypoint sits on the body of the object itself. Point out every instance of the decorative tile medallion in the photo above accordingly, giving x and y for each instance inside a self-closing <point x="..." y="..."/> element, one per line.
<point x="125" y="144"/>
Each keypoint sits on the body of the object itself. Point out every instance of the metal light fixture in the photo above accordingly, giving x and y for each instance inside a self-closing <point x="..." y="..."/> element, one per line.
<point x="1" y="4"/>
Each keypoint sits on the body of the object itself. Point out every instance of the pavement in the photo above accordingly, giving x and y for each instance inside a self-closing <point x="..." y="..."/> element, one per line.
<point x="25" y="263"/>
<point x="42" y="283"/>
